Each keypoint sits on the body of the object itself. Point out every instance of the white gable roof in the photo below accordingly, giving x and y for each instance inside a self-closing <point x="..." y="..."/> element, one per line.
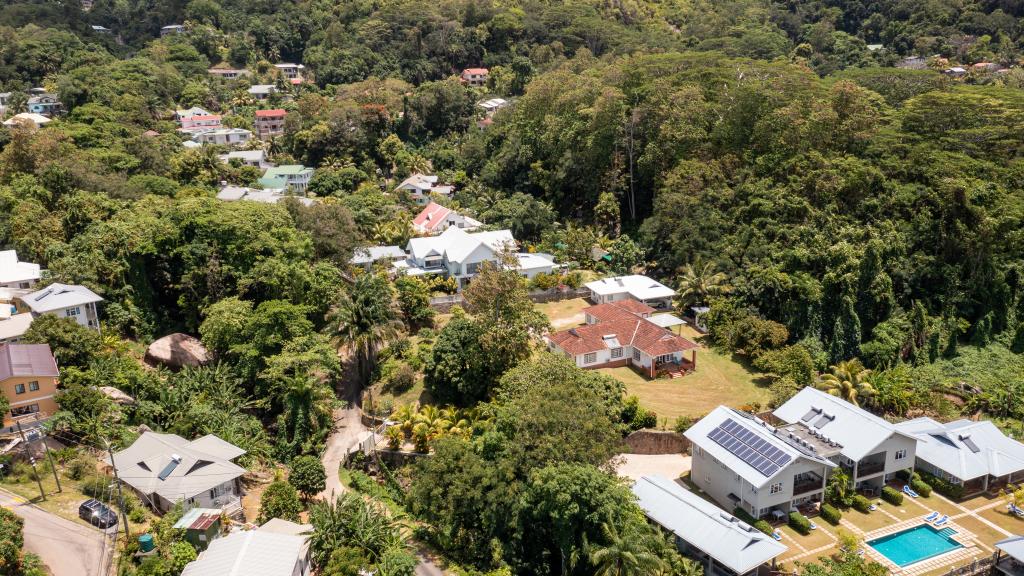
<point x="249" y="553"/>
<point x="699" y="432"/>
<point x="418" y="182"/>
<point x="858" y="431"/>
<point x="13" y="270"/>
<point x="58" y="296"/>
<point x="637" y="286"/>
<point x="964" y="448"/>
<point x="456" y="244"/>
<point x="703" y="525"/>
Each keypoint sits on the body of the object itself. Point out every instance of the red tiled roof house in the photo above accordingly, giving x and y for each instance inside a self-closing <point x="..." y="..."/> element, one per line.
<point x="269" y="123"/>
<point x="434" y="219"/>
<point x="476" y="77"/>
<point x="620" y="334"/>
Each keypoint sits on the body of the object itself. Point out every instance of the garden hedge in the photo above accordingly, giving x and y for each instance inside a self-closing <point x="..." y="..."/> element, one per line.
<point x="800" y="523"/>
<point x="921" y="487"/>
<point x="830" y="514"/>
<point x="745" y="516"/>
<point x="892" y="496"/>
<point x="861" y="504"/>
<point x="947" y="489"/>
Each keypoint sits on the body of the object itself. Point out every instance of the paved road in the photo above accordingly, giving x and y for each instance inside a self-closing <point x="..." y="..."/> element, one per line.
<point x="68" y="549"/>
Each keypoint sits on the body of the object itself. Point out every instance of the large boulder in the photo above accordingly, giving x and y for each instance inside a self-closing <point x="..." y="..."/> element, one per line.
<point x="176" y="351"/>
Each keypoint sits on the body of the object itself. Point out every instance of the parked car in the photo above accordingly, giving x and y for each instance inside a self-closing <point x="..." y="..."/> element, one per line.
<point x="96" y="513"/>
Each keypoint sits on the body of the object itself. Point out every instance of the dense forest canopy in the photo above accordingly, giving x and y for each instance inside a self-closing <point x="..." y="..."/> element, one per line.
<point x="809" y="169"/>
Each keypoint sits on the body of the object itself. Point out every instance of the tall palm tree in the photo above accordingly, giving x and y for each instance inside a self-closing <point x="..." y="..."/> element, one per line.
<point x="365" y="320"/>
<point x="697" y="282"/>
<point x="351" y="520"/>
<point x="623" y="555"/>
<point x="848" y="380"/>
<point x="307" y="408"/>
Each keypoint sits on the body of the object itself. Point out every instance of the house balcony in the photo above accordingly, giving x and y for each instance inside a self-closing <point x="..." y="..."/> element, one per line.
<point x="869" y="468"/>
<point x="808" y="485"/>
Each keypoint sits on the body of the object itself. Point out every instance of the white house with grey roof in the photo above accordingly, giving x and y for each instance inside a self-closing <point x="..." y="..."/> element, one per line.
<point x="870" y="450"/>
<point x="741" y="461"/>
<point x="460" y="254"/>
<point x="975" y="455"/>
<point x="367" y="256"/>
<point x="65" y="301"/>
<point x="722" y="543"/>
<point x="17" y="274"/>
<point x="640" y="288"/>
<point x="165" y="469"/>
<point x="278" y="548"/>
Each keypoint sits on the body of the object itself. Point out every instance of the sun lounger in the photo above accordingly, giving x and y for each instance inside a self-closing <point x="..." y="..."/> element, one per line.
<point x="931" y="516"/>
<point x="813" y="525"/>
<point x="909" y="492"/>
<point x="776" y="535"/>
<point x="941" y="521"/>
<point x="872" y="508"/>
<point x="1014" y="510"/>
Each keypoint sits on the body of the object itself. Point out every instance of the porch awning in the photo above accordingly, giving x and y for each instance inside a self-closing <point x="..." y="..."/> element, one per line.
<point x="667" y="320"/>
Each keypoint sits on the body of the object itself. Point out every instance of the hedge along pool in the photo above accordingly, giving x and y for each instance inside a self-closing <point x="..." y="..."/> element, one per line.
<point x="916" y="544"/>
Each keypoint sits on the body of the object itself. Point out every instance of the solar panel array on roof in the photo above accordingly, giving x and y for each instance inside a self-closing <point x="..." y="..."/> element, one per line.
<point x="966" y="439"/>
<point x="746" y="446"/>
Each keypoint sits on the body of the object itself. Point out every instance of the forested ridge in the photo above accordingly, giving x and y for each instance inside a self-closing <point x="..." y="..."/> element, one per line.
<point x="839" y="207"/>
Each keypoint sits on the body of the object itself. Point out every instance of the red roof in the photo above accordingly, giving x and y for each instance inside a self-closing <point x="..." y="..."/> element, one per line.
<point x="269" y="113"/>
<point x="296" y="81"/>
<point x="201" y="117"/>
<point x="621" y="320"/>
<point x="474" y="71"/>
<point x="431" y="217"/>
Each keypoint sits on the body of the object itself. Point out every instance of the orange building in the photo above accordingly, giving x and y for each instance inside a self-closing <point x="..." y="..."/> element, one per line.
<point x="28" y="378"/>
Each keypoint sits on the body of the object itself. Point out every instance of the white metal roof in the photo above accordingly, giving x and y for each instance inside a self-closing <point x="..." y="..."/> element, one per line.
<point x="368" y="254"/>
<point x="245" y="155"/>
<point x="666" y="320"/>
<point x="262" y="89"/>
<point x="14" y="326"/>
<point x="858" y="431"/>
<point x="250" y="553"/>
<point x="964" y="448"/>
<point x="698" y="434"/>
<point x="13" y="270"/>
<point x="58" y="296"/>
<point x="1013" y="546"/>
<point x="637" y="286"/>
<point x="719" y="534"/>
<point x="456" y="244"/>
<point x="535" y="260"/>
<point x="201" y="465"/>
<point x="37" y="119"/>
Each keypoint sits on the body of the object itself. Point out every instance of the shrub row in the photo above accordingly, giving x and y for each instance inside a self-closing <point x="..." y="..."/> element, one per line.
<point x="799" y="522"/>
<point x="830" y="514"/>
<point x="761" y="525"/>
<point x="861" y="504"/>
<point x="920" y="486"/>
<point x="947" y="489"/>
<point x="892" y="496"/>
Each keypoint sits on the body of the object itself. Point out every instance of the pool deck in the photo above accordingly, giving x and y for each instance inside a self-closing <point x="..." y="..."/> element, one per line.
<point x="965" y="538"/>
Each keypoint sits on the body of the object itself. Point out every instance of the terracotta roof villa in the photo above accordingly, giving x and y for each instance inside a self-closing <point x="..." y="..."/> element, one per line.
<point x="621" y="333"/>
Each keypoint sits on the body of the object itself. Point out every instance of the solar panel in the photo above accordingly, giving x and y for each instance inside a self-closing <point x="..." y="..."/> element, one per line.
<point x="749" y="447"/>
<point x="807" y="417"/>
<point x="966" y="439"/>
<point x="168" y="469"/>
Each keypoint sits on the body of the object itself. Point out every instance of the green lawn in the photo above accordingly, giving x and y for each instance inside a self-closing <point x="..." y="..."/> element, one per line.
<point x="564" y="314"/>
<point x="718" y="380"/>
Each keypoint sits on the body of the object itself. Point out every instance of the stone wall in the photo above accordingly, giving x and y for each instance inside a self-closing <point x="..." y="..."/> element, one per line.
<point x="656" y="442"/>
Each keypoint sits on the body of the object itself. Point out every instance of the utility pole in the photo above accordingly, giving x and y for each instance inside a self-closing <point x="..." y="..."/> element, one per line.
<point x="31" y="460"/>
<point x="120" y="498"/>
<point x="53" y="467"/>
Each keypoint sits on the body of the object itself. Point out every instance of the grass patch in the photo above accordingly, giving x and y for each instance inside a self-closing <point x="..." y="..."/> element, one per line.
<point x="1002" y="518"/>
<point x="719" y="379"/>
<point x="565" y="313"/>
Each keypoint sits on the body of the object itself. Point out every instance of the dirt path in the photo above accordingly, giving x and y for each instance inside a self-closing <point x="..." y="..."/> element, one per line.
<point x="348" y="427"/>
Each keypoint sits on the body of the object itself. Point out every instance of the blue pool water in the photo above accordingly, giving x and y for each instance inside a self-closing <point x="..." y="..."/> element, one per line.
<point x="919" y="543"/>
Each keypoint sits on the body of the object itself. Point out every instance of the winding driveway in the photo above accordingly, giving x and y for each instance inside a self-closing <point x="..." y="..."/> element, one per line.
<point x="67" y="548"/>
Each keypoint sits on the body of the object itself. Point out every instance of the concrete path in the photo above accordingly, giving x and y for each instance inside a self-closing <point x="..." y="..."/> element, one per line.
<point x="68" y="549"/>
<point x="348" y="428"/>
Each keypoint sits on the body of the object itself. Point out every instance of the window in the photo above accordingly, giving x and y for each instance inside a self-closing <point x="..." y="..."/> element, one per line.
<point x="19" y="388"/>
<point x="776" y="488"/>
<point x="616" y="352"/>
<point x="76" y="311"/>
<point x="22" y="410"/>
<point x="590" y="358"/>
<point x="901" y="454"/>
<point x="33" y="385"/>
<point x="707" y="478"/>
<point x="636" y="355"/>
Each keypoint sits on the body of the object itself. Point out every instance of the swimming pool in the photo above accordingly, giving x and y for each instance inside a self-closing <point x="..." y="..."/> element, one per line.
<point x="916" y="544"/>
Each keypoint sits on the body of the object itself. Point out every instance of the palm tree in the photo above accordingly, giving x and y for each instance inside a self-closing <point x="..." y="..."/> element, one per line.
<point x="366" y="320"/>
<point x="848" y="380"/>
<point x="405" y="415"/>
<point x="698" y="282"/>
<point x="307" y="408"/>
<point x="352" y="521"/>
<point x="395" y="437"/>
<point x="623" y="555"/>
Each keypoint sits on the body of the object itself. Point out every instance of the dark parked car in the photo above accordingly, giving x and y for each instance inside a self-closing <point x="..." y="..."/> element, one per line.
<point x="96" y="513"/>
